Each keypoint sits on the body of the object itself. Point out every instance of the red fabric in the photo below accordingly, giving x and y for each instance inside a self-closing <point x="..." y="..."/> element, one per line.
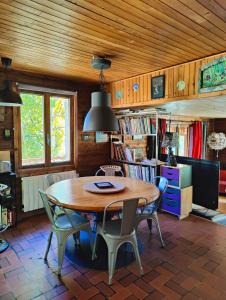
<point x="197" y="140"/>
<point x="222" y="182"/>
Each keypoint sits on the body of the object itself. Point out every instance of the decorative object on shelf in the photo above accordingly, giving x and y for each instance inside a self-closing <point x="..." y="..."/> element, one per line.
<point x="118" y="94"/>
<point x="100" y="117"/>
<point x="101" y="137"/>
<point x="135" y="87"/>
<point x="138" y="137"/>
<point x="8" y="93"/>
<point x="170" y="140"/>
<point x="217" y="141"/>
<point x="181" y="85"/>
<point x="213" y="76"/>
<point x="158" y="87"/>
<point x="2" y="114"/>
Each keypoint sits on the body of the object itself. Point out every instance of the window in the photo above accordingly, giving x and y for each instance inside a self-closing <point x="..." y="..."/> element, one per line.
<point x="60" y="129"/>
<point x="46" y="129"/>
<point x="32" y="129"/>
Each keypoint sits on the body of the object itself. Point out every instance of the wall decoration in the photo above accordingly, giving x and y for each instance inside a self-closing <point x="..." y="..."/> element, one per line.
<point x="101" y="137"/>
<point x="118" y="94"/>
<point x="7" y="133"/>
<point x="181" y="85"/>
<point x="158" y="87"/>
<point x="135" y="87"/>
<point x="87" y="137"/>
<point x="213" y="76"/>
<point x="2" y="114"/>
<point x="217" y="141"/>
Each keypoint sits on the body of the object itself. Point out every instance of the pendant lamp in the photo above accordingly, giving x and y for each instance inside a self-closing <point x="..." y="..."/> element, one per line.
<point x="100" y="116"/>
<point x="8" y="93"/>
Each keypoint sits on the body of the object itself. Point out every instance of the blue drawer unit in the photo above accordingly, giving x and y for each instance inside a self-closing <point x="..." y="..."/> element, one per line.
<point x="177" y="199"/>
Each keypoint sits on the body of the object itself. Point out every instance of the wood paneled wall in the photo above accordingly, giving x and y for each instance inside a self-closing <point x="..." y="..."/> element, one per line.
<point x="7" y="123"/>
<point x="188" y="72"/>
<point x="89" y="155"/>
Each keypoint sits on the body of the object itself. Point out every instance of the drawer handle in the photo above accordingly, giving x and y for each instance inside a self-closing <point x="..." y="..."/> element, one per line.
<point x="170" y="199"/>
<point x="169" y="173"/>
<point x="171" y="203"/>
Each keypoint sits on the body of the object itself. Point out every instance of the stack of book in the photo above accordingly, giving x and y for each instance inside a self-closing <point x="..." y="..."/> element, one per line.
<point x="118" y="151"/>
<point x="137" y="125"/>
<point x="144" y="173"/>
<point x="126" y="153"/>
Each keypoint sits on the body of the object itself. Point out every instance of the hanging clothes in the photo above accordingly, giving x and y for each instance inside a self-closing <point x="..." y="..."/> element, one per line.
<point x="162" y="130"/>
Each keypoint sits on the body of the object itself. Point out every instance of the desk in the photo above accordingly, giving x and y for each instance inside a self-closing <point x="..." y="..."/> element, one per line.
<point x="72" y="195"/>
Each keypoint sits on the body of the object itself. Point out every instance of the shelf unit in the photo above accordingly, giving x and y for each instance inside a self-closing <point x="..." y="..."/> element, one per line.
<point x="144" y="119"/>
<point x="177" y="199"/>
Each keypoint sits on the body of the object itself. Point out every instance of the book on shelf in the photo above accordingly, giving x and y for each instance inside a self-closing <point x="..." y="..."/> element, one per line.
<point x="144" y="173"/>
<point x="7" y="216"/>
<point x="137" y="125"/>
<point x="118" y="151"/>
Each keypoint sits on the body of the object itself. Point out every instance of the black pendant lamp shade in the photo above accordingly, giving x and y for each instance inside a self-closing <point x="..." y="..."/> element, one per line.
<point x="100" y="117"/>
<point x="8" y="93"/>
<point x="9" y="96"/>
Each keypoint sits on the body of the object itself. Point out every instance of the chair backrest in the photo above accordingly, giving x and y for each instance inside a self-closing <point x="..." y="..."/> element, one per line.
<point x="162" y="184"/>
<point x="56" y="177"/>
<point x="48" y="207"/>
<point x="110" y="170"/>
<point x="129" y="210"/>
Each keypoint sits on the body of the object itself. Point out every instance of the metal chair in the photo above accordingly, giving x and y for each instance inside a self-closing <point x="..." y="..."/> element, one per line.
<point x="118" y="232"/>
<point x="56" y="177"/>
<point x="149" y="212"/>
<point x="63" y="226"/>
<point x="110" y="170"/>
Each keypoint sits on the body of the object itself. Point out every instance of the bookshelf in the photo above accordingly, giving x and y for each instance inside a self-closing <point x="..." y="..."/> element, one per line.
<point x="8" y="203"/>
<point x="129" y="147"/>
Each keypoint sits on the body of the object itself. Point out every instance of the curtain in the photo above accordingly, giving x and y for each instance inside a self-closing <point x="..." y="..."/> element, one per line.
<point x="197" y="140"/>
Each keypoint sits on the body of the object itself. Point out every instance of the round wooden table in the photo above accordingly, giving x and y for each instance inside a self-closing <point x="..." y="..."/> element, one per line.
<point x="73" y="195"/>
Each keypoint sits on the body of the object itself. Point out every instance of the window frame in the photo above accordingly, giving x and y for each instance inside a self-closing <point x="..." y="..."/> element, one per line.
<point x="48" y="166"/>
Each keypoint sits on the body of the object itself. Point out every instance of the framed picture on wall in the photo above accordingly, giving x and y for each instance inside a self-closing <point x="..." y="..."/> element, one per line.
<point x="212" y="76"/>
<point x="158" y="87"/>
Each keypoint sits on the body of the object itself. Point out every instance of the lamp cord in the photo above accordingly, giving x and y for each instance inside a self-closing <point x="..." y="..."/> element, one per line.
<point x="102" y="81"/>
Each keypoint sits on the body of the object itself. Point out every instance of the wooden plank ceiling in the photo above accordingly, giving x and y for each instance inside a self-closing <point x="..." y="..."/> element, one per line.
<point x="59" y="37"/>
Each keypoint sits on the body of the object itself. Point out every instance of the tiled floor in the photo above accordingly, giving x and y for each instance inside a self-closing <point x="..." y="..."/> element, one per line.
<point x="192" y="266"/>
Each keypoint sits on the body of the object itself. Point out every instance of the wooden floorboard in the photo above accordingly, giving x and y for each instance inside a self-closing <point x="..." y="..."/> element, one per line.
<point x="192" y="266"/>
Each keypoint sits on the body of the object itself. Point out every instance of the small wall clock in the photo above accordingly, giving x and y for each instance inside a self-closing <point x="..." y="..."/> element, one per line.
<point x="180" y="85"/>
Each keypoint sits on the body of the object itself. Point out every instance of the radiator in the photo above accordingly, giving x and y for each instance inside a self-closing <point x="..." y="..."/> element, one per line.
<point x="30" y="186"/>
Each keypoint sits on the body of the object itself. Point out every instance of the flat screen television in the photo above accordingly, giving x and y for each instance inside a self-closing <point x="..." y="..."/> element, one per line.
<point x="205" y="180"/>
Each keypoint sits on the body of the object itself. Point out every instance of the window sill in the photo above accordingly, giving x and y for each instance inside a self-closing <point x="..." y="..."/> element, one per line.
<point x="41" y="170"/>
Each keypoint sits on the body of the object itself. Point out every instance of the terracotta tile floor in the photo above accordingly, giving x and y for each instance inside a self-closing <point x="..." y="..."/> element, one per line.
<point x="192" y="266"/>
